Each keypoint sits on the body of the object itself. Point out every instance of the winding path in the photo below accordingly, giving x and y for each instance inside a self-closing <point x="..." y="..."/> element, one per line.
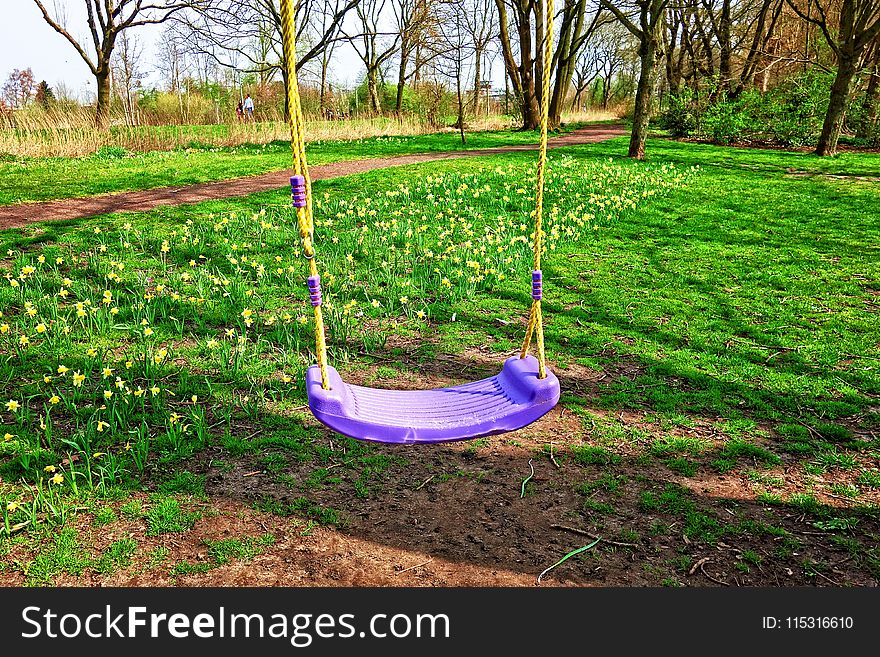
<point x="21" y="214"/>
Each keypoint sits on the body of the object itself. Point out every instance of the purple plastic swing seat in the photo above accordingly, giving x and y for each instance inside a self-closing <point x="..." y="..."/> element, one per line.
<point x="511" y="400"/>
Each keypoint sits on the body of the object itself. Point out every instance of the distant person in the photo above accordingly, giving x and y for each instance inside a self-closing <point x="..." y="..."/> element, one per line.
<point x="249" y="107"/>
<point x="239" y="111"/>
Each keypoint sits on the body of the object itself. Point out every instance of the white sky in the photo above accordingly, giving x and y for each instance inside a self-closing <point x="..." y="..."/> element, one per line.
<point x="27" y="41"/>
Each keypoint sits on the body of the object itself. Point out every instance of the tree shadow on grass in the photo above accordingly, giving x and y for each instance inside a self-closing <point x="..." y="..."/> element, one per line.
<point x="479" y="504"/>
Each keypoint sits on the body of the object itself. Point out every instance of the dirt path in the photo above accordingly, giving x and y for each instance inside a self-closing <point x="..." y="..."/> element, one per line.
<point x="20" y="214"/>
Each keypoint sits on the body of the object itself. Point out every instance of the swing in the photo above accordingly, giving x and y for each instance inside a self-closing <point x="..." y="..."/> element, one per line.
<point x="521" y="393"/>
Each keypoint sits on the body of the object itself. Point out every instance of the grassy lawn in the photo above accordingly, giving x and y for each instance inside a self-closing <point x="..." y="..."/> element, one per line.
<point x="115" y="170"/>
<point x="711" y="313"/>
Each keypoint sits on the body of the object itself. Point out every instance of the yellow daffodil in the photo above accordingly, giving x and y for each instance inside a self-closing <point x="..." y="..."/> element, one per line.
<point x="58" y="479"/>
<point x="12" y="405"/>
<point x="54" y="399"/>
<point x="49" y="468"/>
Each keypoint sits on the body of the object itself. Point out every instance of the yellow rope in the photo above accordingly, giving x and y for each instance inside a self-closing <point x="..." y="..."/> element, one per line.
<point x="304" y="216"/>
<point x="536" y="320"/>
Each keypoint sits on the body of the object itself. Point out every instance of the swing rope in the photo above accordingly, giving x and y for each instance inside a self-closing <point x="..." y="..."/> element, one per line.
<point x="304" y="217"/>
<point x="302" y="194"/>
<point x="536" y="319"/>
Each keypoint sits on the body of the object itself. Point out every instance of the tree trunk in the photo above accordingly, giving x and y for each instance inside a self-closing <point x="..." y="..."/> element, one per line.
<point x="460" y="107"/>
<point x="401" y="78"/>
<point x="102" y="110"/>
<point x="528" y="99"/>
<point x="725" y="49"/>
<point x="644" y="96"/>
<point x="846" y="70"/>
<point x="286" y="99"/>
<point x="373" y="89"/>
<point x="871" y="104"/>
<point x="478" y="55"/>
<point x="323" y="98"/>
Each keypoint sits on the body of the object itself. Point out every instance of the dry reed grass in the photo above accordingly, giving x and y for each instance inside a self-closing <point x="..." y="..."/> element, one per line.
<point x="71" y="132"/>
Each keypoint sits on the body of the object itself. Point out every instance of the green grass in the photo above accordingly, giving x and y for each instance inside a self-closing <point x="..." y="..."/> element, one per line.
<point x="166" y="516"/>
<point x="114" y="170"/>
<point x="734" y="303"/>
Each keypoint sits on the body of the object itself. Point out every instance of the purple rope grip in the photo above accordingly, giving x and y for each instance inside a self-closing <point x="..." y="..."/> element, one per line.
<point x="536" y="285"/>
<point x="298" y="191"/>
<point x="315" y="290"/>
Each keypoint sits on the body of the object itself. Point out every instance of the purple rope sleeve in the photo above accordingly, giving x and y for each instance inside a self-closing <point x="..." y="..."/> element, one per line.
<point x="298" y="191"/>
<point x="315" y="290"/>
<point x="536" y="285"/>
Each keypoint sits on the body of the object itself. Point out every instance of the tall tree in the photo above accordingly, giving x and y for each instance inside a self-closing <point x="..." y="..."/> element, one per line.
<point x="481" y="25"/>
<point x="106" y="20"/>
<point x="19" y="88"/>
<point x="521" y="73"/>
<point x="644" y="18"/>
<point x="414" y="20"/>
<point x="374" y="45"/>
<point x="246" y="34"/>
<point x="457" y="53"/>
<point x="127" y="74"/>
<point x="44" y="96"/>
<point x="573" y="34"/>
<point x="856" y="27"/>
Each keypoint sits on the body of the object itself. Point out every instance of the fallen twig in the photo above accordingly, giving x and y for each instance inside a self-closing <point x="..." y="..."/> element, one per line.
<point x="421" y="485"/>
<point x="708" y="576"/>
<point x="552" y="459"/>
<point x="589" y="535"/>
<point x="699" y="564"/>
<point x="424" y="563"/>
<point x="522" y="493"/>
<point x="251" y="474"/>
<point x="567" y="557"/>
<point x="816" y="572"/>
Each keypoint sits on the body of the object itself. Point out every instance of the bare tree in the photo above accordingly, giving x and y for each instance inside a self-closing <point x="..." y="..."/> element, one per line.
<point x="644" y="18"/>
<point x="247" y="35"/>
<point x="481" y="25"/>
<point x="106" y="20"/>
<point x="415" y="21"/>
<point x="171" y="61"/>
<point x="521" y="73"/>
<point x="373" y="45"/>
<point x="19" y="88"/>
<point x="856" y="27"/>
<point x="573" y="34"/>
<point x="457" y="53"/>
<point x="127" y="75"/>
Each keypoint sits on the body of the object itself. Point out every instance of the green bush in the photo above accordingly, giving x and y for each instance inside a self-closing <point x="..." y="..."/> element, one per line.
<point x="681" y="114"/>
<point x="790" y="114"/>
